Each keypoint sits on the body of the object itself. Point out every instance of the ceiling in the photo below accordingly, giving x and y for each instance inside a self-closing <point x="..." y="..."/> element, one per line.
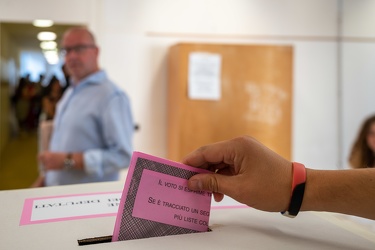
<point x="25" y="34"/>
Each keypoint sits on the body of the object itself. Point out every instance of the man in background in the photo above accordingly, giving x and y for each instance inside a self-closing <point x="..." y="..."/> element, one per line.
<point x="93" y="127"/>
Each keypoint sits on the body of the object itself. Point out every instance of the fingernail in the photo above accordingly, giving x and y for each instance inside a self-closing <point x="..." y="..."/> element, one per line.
<point x="196" y="184"/>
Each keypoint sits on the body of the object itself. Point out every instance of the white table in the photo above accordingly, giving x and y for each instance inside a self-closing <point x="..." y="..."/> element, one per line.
<point x="235" y="228"/>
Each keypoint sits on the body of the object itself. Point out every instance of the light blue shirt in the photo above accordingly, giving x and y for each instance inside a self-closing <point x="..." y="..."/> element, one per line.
<point x="94" y="117"/>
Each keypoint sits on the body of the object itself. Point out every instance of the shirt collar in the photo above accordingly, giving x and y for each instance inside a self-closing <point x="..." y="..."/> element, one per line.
<point x="95" y="78"/>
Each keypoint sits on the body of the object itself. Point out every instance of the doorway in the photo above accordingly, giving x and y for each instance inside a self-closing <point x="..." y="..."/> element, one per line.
<point x="25" y="73"/>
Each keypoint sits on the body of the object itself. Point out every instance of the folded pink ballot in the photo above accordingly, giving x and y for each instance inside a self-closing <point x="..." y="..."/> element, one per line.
<point x="157" y="202"/>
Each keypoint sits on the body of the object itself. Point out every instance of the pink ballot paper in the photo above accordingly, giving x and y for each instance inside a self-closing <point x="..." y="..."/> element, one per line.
<point x="157" y="202"/>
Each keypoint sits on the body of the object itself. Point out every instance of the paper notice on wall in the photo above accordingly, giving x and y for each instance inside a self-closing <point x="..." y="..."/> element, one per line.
<point x="204" y="76"/>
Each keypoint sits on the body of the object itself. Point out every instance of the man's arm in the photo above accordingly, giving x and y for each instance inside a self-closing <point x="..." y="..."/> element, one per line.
<point x="116" y="130"/>
<point x="56" y="160"/>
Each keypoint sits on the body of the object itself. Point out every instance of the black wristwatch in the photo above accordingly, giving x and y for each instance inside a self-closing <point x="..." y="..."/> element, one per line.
<point x="69" y="162"/>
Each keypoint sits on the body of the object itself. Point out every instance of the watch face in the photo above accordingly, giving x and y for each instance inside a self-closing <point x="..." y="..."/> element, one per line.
<point x="69" y="163"/>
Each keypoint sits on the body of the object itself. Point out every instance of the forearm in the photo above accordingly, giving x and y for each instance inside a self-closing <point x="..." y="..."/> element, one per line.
<point x="78" y="160"/>
<point x="344" y="191"/>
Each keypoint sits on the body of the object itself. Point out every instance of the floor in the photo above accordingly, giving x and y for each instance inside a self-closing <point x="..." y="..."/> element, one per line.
<point x="18" y="162"/>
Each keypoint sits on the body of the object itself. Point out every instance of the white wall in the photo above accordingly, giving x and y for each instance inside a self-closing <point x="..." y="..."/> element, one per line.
<point x="134" y="36"/>
<point x="67" y="11"/>
<point x="143" y="31"/>
<point x="358" y="69"/>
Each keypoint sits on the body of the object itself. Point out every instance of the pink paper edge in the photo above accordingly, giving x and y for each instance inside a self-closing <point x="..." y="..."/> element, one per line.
<point x="122" y="201"/>
<point x="70" y="218"/>
<point x="26" y="212"/>
<point x="172" y="163"/>
<point x="229" y="207"/>
<point x="135" y="156"/>
<point x="27" y="209"/>
<point x="71" y="195"/>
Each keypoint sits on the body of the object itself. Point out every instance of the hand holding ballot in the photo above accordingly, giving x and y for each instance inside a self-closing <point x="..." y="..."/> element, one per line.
<point x="245" y="169"/>
<point x="157" y="202"/>
<point x="252" y="174"/>
<point x="162" y="197"/>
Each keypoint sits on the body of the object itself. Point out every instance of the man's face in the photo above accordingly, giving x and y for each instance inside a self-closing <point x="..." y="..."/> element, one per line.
<point x="81" y="54"/>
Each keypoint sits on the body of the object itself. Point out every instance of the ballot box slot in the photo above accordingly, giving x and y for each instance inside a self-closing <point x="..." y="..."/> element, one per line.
<point x="102" y="239"/>
<point x="95" y="240"/>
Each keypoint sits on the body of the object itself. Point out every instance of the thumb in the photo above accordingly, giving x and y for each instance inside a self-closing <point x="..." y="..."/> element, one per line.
<point x="208" y="182"/>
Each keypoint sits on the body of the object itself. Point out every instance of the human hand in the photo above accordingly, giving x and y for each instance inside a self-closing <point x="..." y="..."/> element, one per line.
<point x="51" y="160"/>
<point x="39" y="182"/>
<point x="245" y="170"/>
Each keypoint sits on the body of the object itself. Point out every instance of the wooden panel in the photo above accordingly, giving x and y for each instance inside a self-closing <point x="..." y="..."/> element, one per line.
<point x="256" y="99"/>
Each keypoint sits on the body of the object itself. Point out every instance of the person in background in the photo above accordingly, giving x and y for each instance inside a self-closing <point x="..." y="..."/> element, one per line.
<point x="21" y="103"/>
<point x="251" y="173"/>
<point x="363" y="150"/>
<point x="93" y="125"/>
<point x="51" y="96"/>
<point x="66" y="77"/>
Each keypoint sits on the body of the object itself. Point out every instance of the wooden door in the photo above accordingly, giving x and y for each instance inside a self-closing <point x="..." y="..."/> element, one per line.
<point x="256" y="98"/>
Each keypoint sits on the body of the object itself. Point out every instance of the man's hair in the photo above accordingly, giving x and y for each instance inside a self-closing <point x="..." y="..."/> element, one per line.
<point x="81" y="29"/>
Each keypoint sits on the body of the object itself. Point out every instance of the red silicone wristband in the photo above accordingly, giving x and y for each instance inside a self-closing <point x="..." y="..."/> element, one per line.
<point x="299" y="174"/>
<point x="298" y="190"/>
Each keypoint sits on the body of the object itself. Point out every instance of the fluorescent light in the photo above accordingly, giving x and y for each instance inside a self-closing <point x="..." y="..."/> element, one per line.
<point x="42" y="23"/>
<point x="48" y="45"/>
<point x="51" y="56"/>
<point x="46" y="36"/>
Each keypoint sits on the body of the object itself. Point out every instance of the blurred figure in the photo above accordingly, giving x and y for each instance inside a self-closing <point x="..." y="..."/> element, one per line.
<point x="26" y="104"/>
<point x="21" y="103"/>
<point x="51" y="96"/>
<point x="93" y="125"/>
<point x="66" y="77"/>
<point x="363" y="150"/>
